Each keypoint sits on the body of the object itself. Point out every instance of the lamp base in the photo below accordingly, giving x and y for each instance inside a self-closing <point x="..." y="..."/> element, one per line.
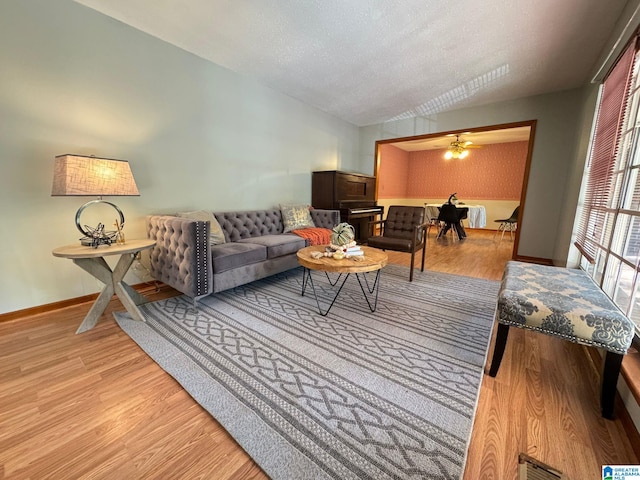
<point x="94" y="237"/>
<point x="95" y="242"/>
<point x="86" y="242"/>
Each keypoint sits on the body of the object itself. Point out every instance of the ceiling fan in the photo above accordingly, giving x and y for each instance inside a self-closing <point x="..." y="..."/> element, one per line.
<point x="459" y="149"/>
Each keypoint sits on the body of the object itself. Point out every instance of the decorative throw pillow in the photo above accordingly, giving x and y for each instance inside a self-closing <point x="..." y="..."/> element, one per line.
<point x="296" y="217"/>
<point x="216" y="235"/>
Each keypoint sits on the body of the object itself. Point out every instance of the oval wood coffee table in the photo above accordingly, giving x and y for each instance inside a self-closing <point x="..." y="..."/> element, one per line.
<point x="373" y="260"/>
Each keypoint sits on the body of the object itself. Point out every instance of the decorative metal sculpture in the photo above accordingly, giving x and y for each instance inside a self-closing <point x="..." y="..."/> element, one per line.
<point x="97" y="236"/>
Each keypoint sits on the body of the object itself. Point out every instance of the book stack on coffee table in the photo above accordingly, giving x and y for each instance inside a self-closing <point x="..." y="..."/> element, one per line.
<point x="353" y="251"/>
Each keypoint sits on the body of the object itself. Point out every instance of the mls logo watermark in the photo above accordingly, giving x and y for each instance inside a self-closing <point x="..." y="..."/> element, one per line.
<point x="621" y="472"/>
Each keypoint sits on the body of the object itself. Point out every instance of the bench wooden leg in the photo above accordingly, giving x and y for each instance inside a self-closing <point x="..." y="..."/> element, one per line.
<point x="498" y="349"/>
<point x="610" y="372"/>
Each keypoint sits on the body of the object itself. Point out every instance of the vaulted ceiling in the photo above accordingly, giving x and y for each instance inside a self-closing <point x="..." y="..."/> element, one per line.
<point x="370" y="61"/>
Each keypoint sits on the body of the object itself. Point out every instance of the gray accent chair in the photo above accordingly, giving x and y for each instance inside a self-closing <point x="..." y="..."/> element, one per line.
<point x="404" y="230"/>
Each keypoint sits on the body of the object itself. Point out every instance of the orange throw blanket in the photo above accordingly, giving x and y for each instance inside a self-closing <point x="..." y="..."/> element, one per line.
<point x="315" y="235"/>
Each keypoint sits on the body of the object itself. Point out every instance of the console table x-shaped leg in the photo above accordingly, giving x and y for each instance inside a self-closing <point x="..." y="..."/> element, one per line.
<point x="113" y="283"/>
<point x="92" y="260"/>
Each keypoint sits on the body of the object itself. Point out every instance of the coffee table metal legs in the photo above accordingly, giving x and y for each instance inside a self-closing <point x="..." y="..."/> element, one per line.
<point x="372" y="289"/>
<point x="363" y="281"/>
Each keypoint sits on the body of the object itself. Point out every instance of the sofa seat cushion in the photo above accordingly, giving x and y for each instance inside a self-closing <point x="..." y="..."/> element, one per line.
<point x="235" y="254"/>
<point x="277" y="245"/>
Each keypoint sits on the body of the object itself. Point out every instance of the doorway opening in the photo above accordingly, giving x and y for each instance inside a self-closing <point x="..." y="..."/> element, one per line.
<point x="494" y="172"/>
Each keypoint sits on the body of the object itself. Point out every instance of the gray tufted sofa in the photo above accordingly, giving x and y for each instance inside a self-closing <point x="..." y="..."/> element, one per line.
<point x="255" y="247"/>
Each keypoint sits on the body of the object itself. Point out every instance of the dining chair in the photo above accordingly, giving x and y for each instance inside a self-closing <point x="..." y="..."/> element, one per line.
<point x="510" y="224"/>
<point x="402" y="231"/>
<point x="433" y="222"/>
<point x="450" y="218"/>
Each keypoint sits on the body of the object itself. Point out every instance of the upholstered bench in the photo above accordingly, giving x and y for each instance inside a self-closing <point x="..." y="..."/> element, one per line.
<point x="567" y="304"/>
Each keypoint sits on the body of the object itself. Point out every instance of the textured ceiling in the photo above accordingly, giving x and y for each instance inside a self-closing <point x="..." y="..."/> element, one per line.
<point x="370" y="61"/>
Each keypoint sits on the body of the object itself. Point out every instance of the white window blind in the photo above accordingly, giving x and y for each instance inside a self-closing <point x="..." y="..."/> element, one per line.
<point x="599" y="201"/>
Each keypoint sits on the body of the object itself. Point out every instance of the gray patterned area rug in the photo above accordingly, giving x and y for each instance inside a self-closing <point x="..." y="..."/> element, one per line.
<point x="355" y="394"/>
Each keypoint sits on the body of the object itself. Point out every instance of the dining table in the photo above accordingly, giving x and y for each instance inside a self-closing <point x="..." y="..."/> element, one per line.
<point x="476" y="217"/>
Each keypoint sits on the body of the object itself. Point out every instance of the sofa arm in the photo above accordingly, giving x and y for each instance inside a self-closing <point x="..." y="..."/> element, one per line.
<point x="325" y="218"/>
<point x="181" y="256"/>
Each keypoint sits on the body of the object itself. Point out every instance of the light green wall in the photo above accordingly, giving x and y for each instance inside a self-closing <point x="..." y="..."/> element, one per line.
<point x="197" y="136"/>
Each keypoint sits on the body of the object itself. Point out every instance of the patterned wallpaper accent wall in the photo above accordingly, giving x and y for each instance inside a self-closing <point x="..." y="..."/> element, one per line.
<point x="393" y="173"/>
<point x="493" y="172"/>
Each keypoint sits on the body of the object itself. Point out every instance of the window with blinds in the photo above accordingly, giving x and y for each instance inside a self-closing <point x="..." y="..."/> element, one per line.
<point x="608" y="226"/>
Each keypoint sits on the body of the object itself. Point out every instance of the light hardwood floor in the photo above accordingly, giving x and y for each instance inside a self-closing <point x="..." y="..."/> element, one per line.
<point x="95" y="406"/>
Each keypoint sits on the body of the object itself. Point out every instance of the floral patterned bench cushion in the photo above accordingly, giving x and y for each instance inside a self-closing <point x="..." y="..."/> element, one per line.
<point x="564" y="303"/>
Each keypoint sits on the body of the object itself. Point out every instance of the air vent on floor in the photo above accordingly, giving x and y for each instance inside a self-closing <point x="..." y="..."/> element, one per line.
<point x="531" y="469"/>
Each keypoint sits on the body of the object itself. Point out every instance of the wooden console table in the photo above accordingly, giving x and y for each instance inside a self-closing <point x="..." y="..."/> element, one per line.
<point x="92" y="261"/>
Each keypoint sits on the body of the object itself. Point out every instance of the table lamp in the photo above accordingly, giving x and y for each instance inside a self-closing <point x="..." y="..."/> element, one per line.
<point x="91" y="176"/>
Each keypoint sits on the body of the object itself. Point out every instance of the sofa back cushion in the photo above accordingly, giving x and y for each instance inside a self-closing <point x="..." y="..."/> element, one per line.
<point x="248" y="224"/>
<point x="216" y="235"/>
<point x="295" y="217"/>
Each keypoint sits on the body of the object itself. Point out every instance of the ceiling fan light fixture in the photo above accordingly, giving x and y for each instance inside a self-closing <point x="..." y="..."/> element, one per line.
<point x="457" y="149"/>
